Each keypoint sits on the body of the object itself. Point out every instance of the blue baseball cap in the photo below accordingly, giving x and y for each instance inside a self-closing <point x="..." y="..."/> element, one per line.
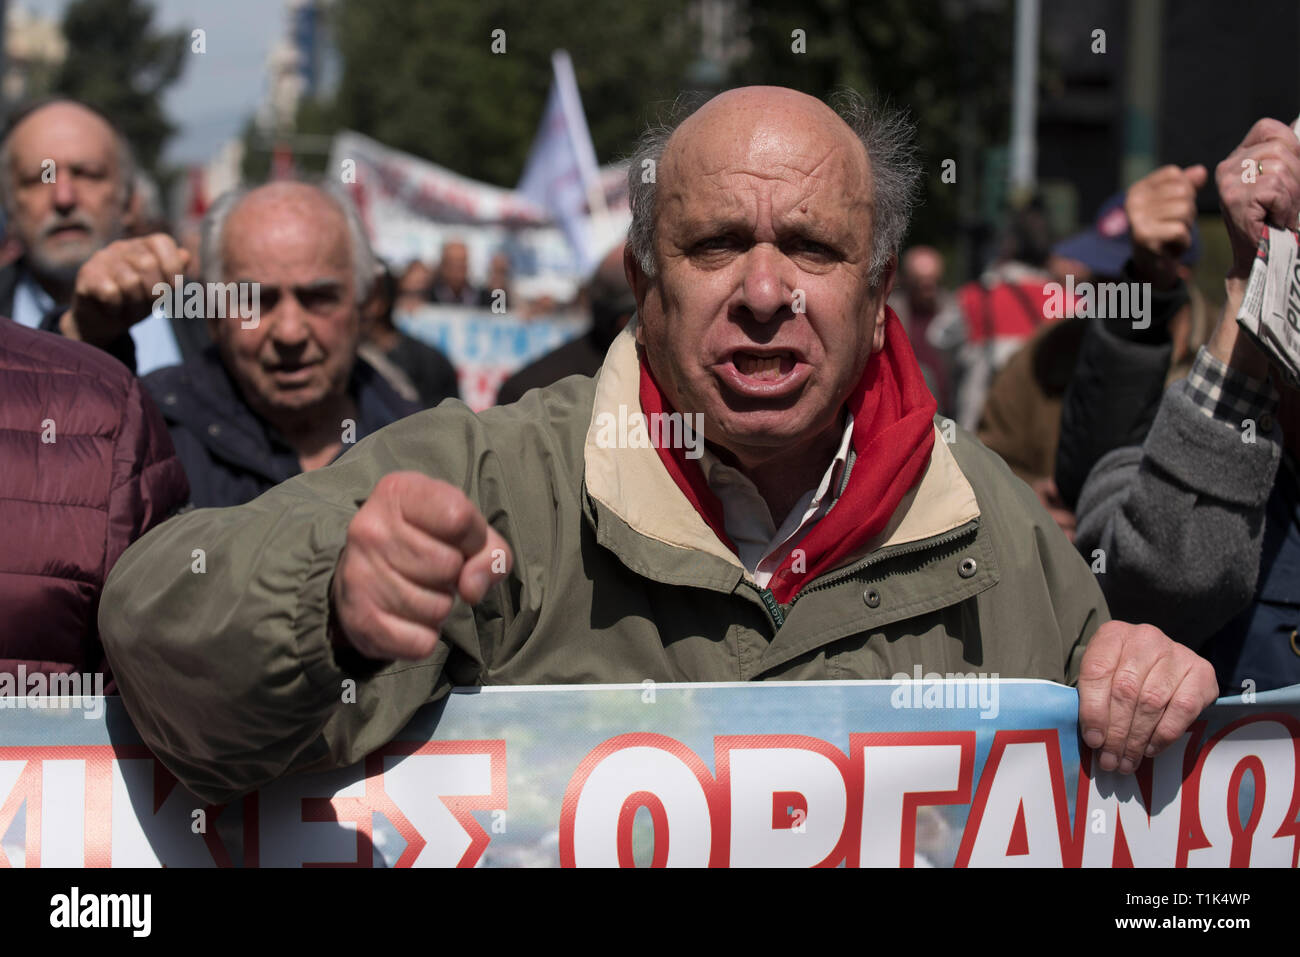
<point x="1109" y="243"/>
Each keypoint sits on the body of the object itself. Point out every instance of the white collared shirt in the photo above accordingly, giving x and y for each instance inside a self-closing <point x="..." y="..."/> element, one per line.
<point x="155" y="343"/>
<point x="31" y="302"/>
<point x="761" y="546"/>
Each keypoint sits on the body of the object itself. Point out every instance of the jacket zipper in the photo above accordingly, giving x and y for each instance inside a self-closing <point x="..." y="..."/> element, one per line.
<point x="967" y="529"/>
<point x="774" y="607"/>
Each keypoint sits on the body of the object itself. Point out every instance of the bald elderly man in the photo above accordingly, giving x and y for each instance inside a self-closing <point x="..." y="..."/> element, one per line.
<point x="752" y="488"/>
<point x="281" y="389"/>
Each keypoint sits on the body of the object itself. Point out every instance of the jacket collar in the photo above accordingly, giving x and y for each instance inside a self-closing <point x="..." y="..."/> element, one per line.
<point x="201" y="396"/>
<point x="632" y="485"/>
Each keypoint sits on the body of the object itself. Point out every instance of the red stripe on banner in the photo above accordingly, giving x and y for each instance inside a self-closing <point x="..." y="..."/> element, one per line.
<point x="99" y="810"/>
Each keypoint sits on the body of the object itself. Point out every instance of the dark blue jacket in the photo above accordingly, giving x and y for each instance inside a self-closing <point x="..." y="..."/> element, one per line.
<point x="229" y="454"/>
<point x="1262" y="644"/>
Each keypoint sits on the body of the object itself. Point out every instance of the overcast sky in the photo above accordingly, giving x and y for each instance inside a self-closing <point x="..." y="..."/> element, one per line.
<point x="219" y="89"/>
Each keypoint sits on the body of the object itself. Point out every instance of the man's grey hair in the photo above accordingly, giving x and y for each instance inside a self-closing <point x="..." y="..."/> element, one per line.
<point x="887" y="134"/>
<point x="365" y="267"/>
<point x="126" y="166"/>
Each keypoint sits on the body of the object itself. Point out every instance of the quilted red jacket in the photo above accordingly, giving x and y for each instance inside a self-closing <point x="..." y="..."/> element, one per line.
<point x="86" y="467"/>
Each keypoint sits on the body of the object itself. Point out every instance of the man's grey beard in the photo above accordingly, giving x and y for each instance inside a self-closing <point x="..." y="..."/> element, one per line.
<point x="53" y="275"/>
<point x="61" y="274"/>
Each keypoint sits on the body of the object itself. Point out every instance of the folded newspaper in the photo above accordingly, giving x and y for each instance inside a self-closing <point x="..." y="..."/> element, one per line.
<point x="1270" y="312"/>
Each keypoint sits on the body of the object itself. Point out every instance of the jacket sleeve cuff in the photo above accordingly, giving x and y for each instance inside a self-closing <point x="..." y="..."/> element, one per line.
<point x="1221" y="392"/>
<point x="312" y="620"/>
<point x="1165" y="304"/>
<point x="1213" y="456"/>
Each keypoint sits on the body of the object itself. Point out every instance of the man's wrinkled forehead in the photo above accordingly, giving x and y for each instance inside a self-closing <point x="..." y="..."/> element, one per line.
<point x="778" y="144"/>
<point x="285" y="218"/>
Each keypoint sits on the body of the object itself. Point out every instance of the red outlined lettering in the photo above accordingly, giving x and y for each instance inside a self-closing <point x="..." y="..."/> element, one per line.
<point x="1142" y="787"/>
<point x="607" y="750"/>
<point x="912" y="800"/>
<point x="1002" y="740"/>
<point x="813" y="821"/>
<point x="1196" y="845"/>
<point x="658" y="820"/>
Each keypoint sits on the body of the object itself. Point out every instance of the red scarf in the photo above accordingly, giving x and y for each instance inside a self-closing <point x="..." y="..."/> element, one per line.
<point x="893" y="435"/>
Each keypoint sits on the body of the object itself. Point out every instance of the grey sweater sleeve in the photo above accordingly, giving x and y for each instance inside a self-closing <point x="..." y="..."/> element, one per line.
<point x="1173" y="528"/>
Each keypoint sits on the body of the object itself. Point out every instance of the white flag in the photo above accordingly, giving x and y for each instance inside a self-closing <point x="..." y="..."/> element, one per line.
<point x="561" y="173"/>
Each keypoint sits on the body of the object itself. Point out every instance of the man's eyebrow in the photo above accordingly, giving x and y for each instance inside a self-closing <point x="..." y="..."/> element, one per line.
<point x="314" y="285"/>
<point x="318" y="285"/>
<point x="809" y="229"/>
<point x="711" y="225"/>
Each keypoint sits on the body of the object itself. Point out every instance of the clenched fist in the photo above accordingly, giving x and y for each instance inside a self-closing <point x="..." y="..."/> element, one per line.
<point x="415" y="545"/>
<point x="1161" y="209"/>
<point x="1259" y="183"/>
<point x="114" y="289"/>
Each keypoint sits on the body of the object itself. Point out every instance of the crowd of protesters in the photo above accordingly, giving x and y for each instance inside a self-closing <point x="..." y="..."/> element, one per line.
<point x="118" y="416"/>
<point x="1162" y="444"/>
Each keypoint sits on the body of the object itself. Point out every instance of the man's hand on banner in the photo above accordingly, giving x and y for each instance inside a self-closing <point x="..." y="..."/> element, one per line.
<point x="1139" y="690"/>
<point x="413" y="547"/>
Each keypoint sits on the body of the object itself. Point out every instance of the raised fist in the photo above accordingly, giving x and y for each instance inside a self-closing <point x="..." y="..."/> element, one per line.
<point x="415" y="545"/>
<point x="1161" y="209"/>
<point x="114" y="289"/>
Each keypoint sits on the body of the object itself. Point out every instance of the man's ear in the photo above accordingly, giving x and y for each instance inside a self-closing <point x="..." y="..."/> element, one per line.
<point x="639" y="283"/>
<point x="884" y="288"/>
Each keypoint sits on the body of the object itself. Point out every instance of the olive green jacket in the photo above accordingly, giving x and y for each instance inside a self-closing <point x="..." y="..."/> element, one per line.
<point x="224" y="664"/>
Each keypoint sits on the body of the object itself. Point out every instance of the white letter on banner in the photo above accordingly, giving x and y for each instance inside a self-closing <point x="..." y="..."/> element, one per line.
<point x="287" y="840"/>
<point x="689" y="827"/>
<point x="1021" y="791"/>
<point x="889" y="775"/>
<point x="1264" y="839"/>
<point x="63" y="813"/>
<point x="416" y="782"/>
<point x="1152" y="839"/>
<point x="144" y="837"/>
<point x="759" y="773"/>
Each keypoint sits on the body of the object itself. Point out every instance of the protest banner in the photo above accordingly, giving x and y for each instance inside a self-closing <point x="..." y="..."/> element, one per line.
<point x="967" y="772"/>
<point x="411" y="206"/>
<point x="484" y="347"/>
